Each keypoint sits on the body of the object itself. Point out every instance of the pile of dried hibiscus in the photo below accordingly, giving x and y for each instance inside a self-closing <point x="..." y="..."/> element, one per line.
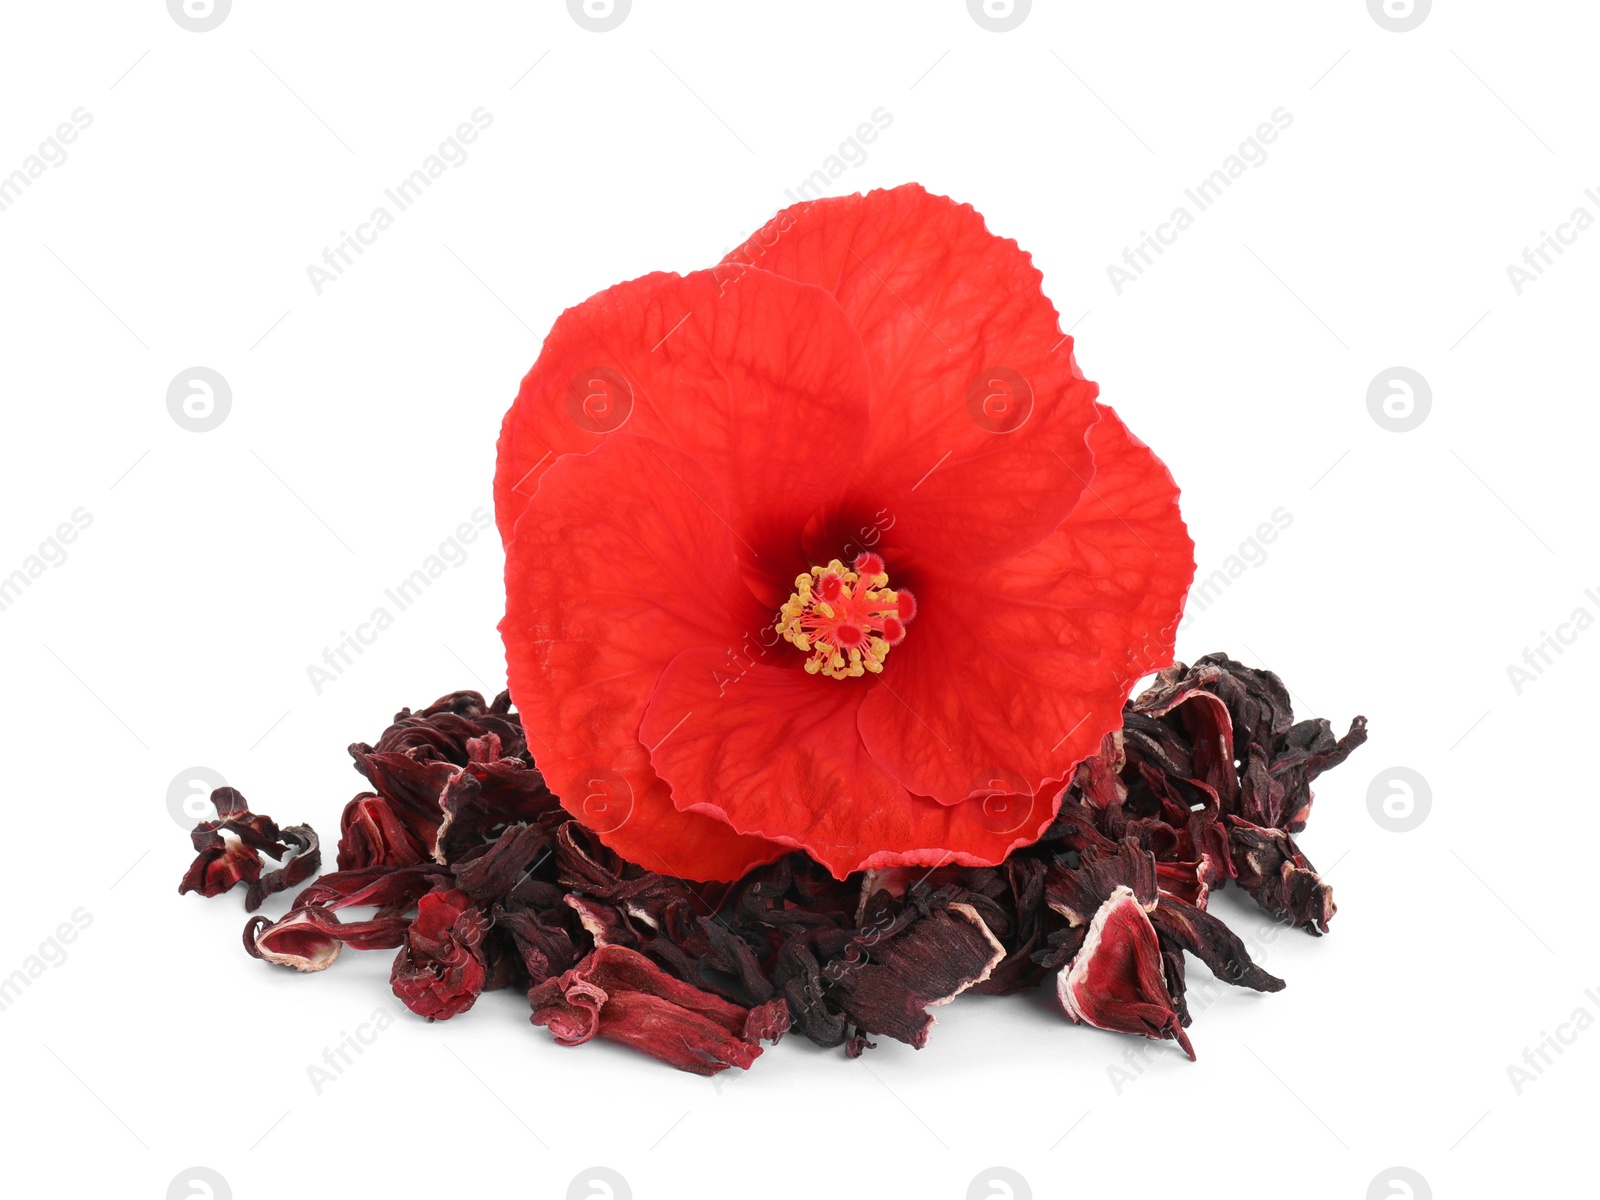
<point x="479" y="878"/>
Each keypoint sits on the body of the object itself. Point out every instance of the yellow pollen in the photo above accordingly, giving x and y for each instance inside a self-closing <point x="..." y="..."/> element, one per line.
<point x="845" y="619"/>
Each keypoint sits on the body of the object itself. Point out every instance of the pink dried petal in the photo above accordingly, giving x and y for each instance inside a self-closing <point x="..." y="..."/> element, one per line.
<point x="1115" y="982"/>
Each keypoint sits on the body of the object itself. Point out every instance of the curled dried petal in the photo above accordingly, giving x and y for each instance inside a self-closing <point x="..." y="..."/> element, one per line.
<point x="1115" y="982"/>
<point x="619" y="994"/>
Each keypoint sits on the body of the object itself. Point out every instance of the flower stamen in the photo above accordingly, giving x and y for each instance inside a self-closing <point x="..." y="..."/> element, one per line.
<point x="846" y="619"/>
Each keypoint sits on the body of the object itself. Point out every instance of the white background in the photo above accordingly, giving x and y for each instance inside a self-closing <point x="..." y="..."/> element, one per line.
<point x="218" y="565"/>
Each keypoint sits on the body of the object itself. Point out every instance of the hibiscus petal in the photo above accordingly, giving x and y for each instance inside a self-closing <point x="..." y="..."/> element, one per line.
<point x="765" y="383"/>
<point x="618" y="994"/>
<point x="622" y="559"/>
<point x="978" y="408"/>
<point x="1023" y="668"/>
<point x="776" y="753"/>
<point x="1116" y="981"/>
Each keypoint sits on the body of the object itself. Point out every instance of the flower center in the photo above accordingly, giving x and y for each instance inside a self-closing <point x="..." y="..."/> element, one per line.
<point x="846" y="619"/>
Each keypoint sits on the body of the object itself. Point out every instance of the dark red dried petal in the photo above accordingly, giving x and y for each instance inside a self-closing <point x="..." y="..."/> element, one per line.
<point x="1213" y="943"/>
<point x="1271" y="868"/>
<point x="484" y="798"/>
<point x="495" y="872"/>
<point x="888" y="986"/>
<point x="442" y="730"/>
<point x="1078" y="893"/>
<point x="229" y="850"/>
<point x="372" y="834"/>
<point x="1115" y="982"/>
<point x="394" y="888"/>
<point x="223" y="860"/>
<point x="442" y="968"/>
<point x="309" y="939"/>
<point x="1188" y="881"/>
<point x="544" y="943"/>
<point x="299" y="863"/>
<point x="619" y="994"/>
<point x="1154" y="822"/>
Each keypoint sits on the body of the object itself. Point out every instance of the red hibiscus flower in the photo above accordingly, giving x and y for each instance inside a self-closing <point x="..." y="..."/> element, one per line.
<point x="830" y="547"/>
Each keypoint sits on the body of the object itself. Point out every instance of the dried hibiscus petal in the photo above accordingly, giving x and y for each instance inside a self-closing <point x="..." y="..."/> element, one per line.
<point x="393" y="890"/>
<point x="1116" y="982"/>
<point x="441" y="731"/>
<point x="620" y="994"/>
<point x="302" y="860"/>
<point x="888" y="987"/>
<point x="1271" y="868"/>
<point x="481" y="881"/>
<point x="229" y="850"/>
<point x="485" y="796"/>
<point x="441" y="969"/>
<point x="1183" y="926"/>
<point x="545" y="944"/>
<point x="1079" y="893"/>
<point x="309" y="939"/>
<point x="222" y="860"/>
<point x="372" y="833"/>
